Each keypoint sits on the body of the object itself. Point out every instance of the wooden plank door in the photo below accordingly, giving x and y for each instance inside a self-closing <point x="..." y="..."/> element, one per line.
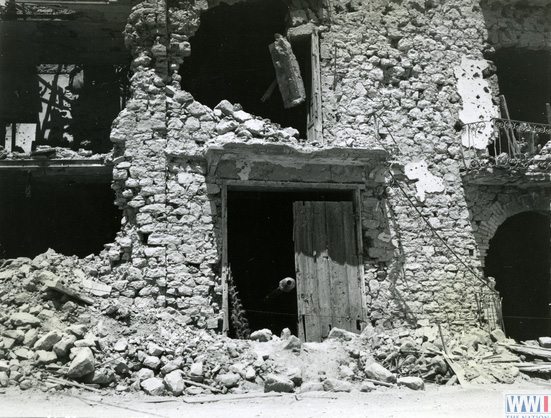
<point x="328" y="276"/>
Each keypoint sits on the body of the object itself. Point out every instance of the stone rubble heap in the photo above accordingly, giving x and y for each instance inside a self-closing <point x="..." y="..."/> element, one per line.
<point x="59" y="328"/>
<point x="475" y="355"/>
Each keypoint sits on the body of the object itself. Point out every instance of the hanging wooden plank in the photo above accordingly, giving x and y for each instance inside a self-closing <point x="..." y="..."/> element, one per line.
<point x="338" y="278"/>
<point x="315" y="119"/>
<point x="287" y="72"/>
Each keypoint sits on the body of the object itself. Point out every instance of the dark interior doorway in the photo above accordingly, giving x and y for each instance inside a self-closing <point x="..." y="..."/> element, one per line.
<point x="261" y="252"/>
<point x="71" y="216"/>
<point x="519" y="260"/>
<point x="524" y="78"/>
<point x="231" y="60"/>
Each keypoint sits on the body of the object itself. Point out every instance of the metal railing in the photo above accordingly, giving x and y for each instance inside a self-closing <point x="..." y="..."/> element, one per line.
<point x="503" y="142"/>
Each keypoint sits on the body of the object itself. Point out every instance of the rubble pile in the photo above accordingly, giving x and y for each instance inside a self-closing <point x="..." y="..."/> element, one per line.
<point x="48" y="152"/>
<point x="55" y="325"/>
<point x="60" y="328"/>
<point x="444" y="357"/>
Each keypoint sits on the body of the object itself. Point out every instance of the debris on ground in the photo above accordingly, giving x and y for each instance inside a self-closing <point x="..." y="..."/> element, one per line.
<point x="60" y="328"/>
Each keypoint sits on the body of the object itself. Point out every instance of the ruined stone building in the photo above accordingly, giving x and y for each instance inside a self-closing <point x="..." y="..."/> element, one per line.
<point x="390" y="155"/>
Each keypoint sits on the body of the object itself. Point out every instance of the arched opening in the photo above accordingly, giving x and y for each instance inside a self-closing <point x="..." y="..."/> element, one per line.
<point x="519" y="260"/>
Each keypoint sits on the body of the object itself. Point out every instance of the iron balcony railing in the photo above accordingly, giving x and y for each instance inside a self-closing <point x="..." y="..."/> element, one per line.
<point x="503" y="142"/>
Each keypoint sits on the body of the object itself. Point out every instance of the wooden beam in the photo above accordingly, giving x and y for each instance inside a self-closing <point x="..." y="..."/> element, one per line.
<point x="287" y="72"/>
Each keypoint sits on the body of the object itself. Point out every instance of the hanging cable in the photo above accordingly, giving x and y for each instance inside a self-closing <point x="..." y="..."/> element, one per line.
<point x="412" y="204"/>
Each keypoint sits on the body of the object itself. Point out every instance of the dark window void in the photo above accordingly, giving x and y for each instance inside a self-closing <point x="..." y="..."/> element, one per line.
<point x="71" y="217"/>
<point x="525" y="80"/>
<point x="70" y="106"/>
<point x="518" y="258"/>
<point x="231" y="60"/>
<point x="261" y="253"/>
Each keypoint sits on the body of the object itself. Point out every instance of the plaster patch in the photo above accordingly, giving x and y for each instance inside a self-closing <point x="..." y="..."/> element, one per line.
<point x="244" y="168"/>
<point x="477" y="102"/>
<point x="426" y="181"/>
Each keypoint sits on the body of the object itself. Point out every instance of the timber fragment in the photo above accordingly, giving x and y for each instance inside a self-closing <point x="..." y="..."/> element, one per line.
<point x="287" y="71"/>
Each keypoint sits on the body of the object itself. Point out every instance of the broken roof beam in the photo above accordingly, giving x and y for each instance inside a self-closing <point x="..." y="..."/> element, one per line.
<point x="287" y="71"/>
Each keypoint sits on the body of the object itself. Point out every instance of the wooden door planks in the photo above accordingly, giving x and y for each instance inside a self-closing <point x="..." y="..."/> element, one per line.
<point x="328" y="270"/>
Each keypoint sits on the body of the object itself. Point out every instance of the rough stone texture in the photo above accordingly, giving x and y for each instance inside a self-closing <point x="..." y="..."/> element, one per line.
<point x="498" y="335"/>
<point x="62" y="347"/>
<point x="377" y="372"/>
<point x="83" y="364"/>
<point x="545" y="342"/>
<point x="336" y="385"/>
<point x="311" y="387"/>
<point x="402" y="71"/>
<point x="45" y="357"/>
<point x="341" y="334"/>
<point x="174" y="382"/>
<point x="262" y="335"/>
<point x="47" y="341"/>
<point x="229" y="380"/>
<point x="22" y="318"/>
<point x="276" y="383"/>
<point x="153" y="386"/>
<point x="412" y="382"/>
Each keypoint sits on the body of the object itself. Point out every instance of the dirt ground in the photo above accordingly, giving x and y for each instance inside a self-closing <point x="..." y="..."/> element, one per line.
<point x="480" y="401"/>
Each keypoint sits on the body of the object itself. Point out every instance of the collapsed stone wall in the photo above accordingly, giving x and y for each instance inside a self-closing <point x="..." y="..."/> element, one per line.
<point x="388" y="78"/>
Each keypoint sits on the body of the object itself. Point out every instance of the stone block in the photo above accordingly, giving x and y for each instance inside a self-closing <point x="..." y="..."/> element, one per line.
<point x="229" y="380"/>
<point x="47" y="341"/>
<point x="262" y="335"/>
<point x="153" y="386"/>
<point x="276" y="383"/>
<point x="412" y="382"/>
<point x="83" y="364"/>
<point x="174" y="382"/>
<point x="341" y="335"/>
<point x="336" y="385"/>
<point x="21" y="319"/>
<point x="377" y="372"/>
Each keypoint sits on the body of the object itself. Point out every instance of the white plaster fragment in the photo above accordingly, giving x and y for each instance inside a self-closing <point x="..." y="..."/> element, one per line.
<point x="477" y="101"/>
<point x="427" y="182"/>
<point x="244" y="169"/>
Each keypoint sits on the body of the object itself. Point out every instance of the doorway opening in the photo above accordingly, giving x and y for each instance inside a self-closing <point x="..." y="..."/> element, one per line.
<point x="261" y="252"/>
<point x="519" y="260"/>
<point x="524" y="78"/>
<point x="231" y="60"/>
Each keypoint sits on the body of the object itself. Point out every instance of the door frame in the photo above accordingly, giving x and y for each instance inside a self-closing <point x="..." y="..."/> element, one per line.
<point x="270" y="186"/>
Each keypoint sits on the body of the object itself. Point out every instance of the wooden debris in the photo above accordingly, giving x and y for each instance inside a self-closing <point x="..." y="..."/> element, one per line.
<point x="539" y="352"/>
<point x="287" y="71"/>
<point x="378" y="382"/>
<point x="457" y="369"/>
<point x="60" y="381"/>
<point x="269" y="92"/>
<point x="219" y="398"/>
<point x="114" y="405"/>
<point x="192" y="383"/>
<point x="55" y="285"/>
